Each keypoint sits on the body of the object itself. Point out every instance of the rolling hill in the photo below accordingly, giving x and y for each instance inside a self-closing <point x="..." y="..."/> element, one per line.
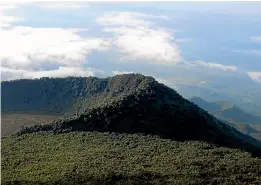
<point x="227" y="111"/>
<point x="128" y="104"/>
<point x="244" y="122"/>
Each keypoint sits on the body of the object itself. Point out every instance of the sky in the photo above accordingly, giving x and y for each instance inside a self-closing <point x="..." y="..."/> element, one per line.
<point x="209" y="49"/>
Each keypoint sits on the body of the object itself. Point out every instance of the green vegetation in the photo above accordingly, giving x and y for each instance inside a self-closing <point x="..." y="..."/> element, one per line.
<point x="103" y="158"/>
<point x="57" y="95"/>
<point x="139" y="104"/>
<point x="188" y="145"/>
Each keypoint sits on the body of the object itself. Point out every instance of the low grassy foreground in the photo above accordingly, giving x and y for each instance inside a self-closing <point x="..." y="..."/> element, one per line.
<point x="103" y="158"/>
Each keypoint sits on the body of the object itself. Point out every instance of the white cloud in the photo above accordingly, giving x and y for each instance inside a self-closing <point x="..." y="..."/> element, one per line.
<point x="26" y="47"/>
<point x="63" y="5"/>
<point x="135" y="37"/>
<point x="143" y="43"/>
<point x="216" y="66"/>
<point x="121" y="72"/>
<point x="256" y="38"/>
<point x="12" y="74"/>
<point x="168" y="83"/>
<point x="27" y="51"/>
<point x="6" y="20"/>
<point x="256" y="76"/>
<point x="127" y="19"/>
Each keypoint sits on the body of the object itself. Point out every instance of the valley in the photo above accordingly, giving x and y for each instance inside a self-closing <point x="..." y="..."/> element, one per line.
<point x="13" y="122"/>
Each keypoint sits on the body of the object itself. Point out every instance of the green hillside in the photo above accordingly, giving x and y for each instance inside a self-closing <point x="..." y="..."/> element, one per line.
<point x="126" y="129"/>
<point x="135" y="103"/>
<point x="107" y="158"/>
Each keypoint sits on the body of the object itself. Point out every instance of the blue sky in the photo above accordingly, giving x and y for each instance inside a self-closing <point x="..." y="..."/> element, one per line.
<point x="211" y="46"/>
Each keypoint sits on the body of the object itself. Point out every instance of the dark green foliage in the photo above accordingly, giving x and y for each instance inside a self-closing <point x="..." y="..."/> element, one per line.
<point x="101" y="158"/>
<point x="56" y="95"/>
<point x="139" y="104"/>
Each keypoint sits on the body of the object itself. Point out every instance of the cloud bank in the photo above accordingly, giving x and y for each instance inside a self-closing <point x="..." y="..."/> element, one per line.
<point x="12" y="74"/>
<point x="26" y="47"/>
<point x="138" y="40"/>
<point x="28" y="52"/>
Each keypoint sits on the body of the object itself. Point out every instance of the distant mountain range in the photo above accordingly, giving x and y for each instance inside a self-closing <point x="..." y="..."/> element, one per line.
<point x="243" y="121"/>
<point x="227" y="111"/>
<point x="248" y="99"/>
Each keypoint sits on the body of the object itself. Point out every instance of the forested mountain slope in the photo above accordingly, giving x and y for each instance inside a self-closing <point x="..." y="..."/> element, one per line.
<point x="130" y="103"/>
<point x="169" y="139"/>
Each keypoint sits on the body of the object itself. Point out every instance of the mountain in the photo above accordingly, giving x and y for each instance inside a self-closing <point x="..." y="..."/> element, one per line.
<point x="232" y="115"/>
<point x="227" y="111"/>
<point x="130" y="103"/>
<point x="52" y="95"/>
<point x="204" y="104"/>
<point x="248" y="99"/>
<point x="126" y="129"/>
<point x="236" y="114"/>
